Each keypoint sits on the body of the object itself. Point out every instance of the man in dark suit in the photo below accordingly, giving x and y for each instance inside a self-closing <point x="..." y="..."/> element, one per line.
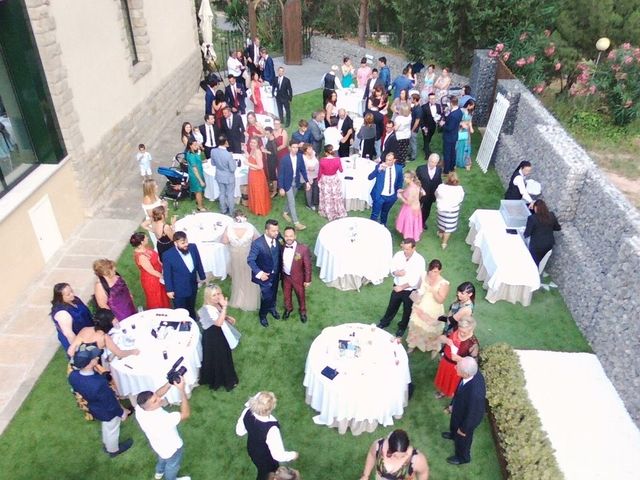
<point x="266" y="63"/>
<point x="208" y="132"/>
<point x="264" y="260"/>
<point x="431" y="115"/>
<point x="389" y="142"/>
<point x="430" y="176"/>
<point x="291" y="173"/>
<point x="345" y="125"/>
<point x="296" y="273"/>
<point x="234" y="96"/>
<point x="233" y="129"/>
<point x="210" y="89"/>
<point x="181" y="267"/>
<point x="389" y="179"/>
<point x="450" y="128"/>
<point x="283" y="94"/>
<point x="373" y="82"/>
<point x="252" y="55"/>
<point x="467" y="410"/>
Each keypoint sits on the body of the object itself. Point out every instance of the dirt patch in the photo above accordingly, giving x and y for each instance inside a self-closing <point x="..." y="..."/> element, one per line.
<point x="629" y="187"/>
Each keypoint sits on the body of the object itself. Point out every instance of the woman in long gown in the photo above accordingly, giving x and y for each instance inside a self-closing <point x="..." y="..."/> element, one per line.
<point x="257" y="188"/>
<point x="331" y="204"/>
<point x="347" y="72"/>
<point x="217" y="362"/>
<point x="254" y="129"/>
<point x="270" y="151"/>
<point x="245" y="294"/>
<point x="463" y="145"/>
<point x="281" y="137"/>
<point x="111" y="290"/>
<point x="424" y="327"/>
<point x="409" y="221"/>
<point x="461" y="342"/>
<point x="256" y="93"/>
<point x="218" y="106"/>
<point x="148" y="262"/>
<point x="162" y="231"/>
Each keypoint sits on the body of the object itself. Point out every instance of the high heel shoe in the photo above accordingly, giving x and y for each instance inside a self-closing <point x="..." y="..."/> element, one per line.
<point x="443" y="245"/>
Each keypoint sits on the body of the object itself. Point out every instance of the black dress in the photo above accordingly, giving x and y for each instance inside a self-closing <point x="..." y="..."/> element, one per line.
<point x="163" y="243"/>
<point x="541" y="235"/>
<point x="217" y="368"/>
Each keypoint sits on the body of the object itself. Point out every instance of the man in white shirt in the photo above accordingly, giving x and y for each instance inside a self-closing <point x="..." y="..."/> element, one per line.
<point x="161" y="430"/>
<point x="407" y="267"/>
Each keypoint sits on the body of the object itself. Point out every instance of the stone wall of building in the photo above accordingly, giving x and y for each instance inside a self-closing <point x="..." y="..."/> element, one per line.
<point x="596" y="260"/>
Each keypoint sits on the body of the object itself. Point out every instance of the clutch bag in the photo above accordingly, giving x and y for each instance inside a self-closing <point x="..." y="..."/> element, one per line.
<point x="329" y="372"/>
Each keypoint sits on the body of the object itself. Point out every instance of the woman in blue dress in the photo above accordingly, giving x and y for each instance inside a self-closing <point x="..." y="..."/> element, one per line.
<point x="196" y="174"/>
<point x="463" y="147"/>
<point x="347" y="73"/>
<point x="69" y="314"/>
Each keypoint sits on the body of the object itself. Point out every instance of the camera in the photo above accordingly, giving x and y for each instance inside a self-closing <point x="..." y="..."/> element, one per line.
<point x="177" y="371"/>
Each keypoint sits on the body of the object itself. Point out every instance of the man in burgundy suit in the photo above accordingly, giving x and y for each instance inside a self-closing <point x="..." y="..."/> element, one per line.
<point x="296" y="273"/>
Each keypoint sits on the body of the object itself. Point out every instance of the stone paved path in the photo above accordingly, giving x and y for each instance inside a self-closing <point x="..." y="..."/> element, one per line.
<point x="27" y="338"/>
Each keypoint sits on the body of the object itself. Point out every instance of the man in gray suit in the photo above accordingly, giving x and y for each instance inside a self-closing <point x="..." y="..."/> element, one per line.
<point x="225" y="165"/>
<point x="316" y="127"/>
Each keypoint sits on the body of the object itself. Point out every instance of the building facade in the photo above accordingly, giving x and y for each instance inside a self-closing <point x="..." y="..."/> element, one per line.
<point x="81" y="82"/>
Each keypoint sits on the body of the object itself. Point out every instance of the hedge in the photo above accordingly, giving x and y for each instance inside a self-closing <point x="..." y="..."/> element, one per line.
<point x="524" y="445"/>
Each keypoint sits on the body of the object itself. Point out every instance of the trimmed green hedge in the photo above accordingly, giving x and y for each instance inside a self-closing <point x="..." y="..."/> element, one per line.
<point x="526" y="449"/>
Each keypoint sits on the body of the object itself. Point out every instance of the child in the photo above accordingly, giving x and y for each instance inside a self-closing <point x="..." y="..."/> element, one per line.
<point x="144" y="161"/>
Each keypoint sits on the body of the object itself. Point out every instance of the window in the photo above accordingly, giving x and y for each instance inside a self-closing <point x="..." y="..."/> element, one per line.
<point x="29" y="133"/>
<point x="131" y="41"/>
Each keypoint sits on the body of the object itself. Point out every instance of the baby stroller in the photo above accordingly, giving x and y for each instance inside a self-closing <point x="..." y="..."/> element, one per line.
<point x="177" y="186"/>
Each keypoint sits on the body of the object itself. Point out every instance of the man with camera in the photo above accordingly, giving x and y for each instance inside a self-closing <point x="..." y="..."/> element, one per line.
<point x="161" y="427"/>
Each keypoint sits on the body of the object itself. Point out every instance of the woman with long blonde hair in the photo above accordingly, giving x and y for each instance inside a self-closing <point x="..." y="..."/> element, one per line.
<point x="409" y="222"/>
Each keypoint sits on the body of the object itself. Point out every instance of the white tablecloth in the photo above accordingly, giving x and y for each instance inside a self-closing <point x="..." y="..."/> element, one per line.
<point x="205" y="230"/>
<point x="148" y="370"/>
<point x="369" y="390"/>
<point x="268" y="102"/>
<point x="353" y="251"/>
<point x="356" y="190"/>
<point x="212" y="190"/>
<point x="505" y="265"/>
<point x="351" y="101"/>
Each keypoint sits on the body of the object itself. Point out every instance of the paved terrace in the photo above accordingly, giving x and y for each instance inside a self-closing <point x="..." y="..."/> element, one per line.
<point x="27" y="338"/>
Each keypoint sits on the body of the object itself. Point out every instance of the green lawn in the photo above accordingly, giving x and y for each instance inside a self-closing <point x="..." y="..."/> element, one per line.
<point x="48" y="439"/>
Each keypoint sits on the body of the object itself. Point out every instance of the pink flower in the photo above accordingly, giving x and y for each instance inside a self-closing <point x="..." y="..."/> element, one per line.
<point x="592" y="89"/>
<point x="547" y="33"/>
<point x="628" y="60"/>
<point x="550" y="50"/>
<point x="538" y="89"/>
<point x="521" y="62"/>
<point x="557" y="66"/>
<point x="523" y="36"/>
<point x="626" y="46"/>
<point x="506" y="56"/>
<point x="612" y="54"/>
<point x="499" y="47"/>
<point x="628" y="103"/>
<point x="493" y="53"/>
<point x="531" y="59"/>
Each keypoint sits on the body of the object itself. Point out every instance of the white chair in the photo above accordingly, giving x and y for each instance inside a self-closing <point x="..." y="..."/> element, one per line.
<point x="541" y="267"/>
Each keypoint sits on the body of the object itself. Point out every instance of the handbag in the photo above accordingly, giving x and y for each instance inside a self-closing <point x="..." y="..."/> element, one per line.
<point x="231" y="333"/>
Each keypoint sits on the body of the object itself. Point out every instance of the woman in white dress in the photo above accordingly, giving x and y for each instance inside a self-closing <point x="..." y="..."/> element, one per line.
<point x="245" y="294"/>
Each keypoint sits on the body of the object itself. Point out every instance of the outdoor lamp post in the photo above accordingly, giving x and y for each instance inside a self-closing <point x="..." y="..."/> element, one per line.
<point x="601" y="45"/>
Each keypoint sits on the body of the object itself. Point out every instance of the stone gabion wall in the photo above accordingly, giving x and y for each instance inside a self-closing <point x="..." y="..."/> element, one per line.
<point x="331" y="51"/>
<point x="596" y="260"/>
<point x="483" y="74"/>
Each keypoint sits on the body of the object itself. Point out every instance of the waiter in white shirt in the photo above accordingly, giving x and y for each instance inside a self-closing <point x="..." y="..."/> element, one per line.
<point x="407" y="267"/>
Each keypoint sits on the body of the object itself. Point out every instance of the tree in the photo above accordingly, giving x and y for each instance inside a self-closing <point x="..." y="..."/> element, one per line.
<point x="362" y="23"/>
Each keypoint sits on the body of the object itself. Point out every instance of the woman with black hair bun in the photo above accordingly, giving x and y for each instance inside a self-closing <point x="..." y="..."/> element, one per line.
<point x="394" y="458"/>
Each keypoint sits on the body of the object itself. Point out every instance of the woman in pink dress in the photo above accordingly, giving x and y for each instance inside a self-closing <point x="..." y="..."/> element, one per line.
<point x="256" y="93"/>
<point x="409" y="221"/>
<point x="364" y="73"/>
<point x="331" y="204"/>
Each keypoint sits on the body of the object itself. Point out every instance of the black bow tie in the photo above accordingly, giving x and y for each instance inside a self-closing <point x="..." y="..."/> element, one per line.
<point x="288" y="246"/>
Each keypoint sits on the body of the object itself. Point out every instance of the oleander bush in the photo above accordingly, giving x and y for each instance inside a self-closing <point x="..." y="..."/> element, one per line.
<point x="526" y="448"/>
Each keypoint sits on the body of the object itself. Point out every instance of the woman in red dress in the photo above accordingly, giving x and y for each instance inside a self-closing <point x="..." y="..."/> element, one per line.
<point x="461" y="342"/>
<point x="256" y="93"/>
<point x="218" y="106"/>
<point x="254" y="130"/>
<point x="258" y="190"/>
<point x="282" y="141"/>
<point x="148" y="262"/>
